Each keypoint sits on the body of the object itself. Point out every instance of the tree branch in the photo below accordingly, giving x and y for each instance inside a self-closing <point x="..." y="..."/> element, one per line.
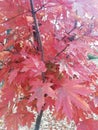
<point x="38" y="120"/>
<point x="40" y="48"/>
<point x="37" y="30"/>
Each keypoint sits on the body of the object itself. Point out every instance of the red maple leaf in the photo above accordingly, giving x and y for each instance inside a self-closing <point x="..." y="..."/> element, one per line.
<point x="34" y="65"/>
<point x="89" y="124"/>
<point x="39" y="90"/>
<point x="71" y="93"/>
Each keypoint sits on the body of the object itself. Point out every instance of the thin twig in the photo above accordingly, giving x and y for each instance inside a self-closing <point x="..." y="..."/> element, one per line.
<point x="74" y="27"/>
<point x="61" y="51"/>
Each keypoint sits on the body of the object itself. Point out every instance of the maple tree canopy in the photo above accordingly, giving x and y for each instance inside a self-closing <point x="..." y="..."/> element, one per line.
<point x="56" y="73"/>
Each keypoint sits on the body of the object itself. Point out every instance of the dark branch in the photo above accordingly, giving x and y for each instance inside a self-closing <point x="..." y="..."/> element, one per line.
<point x="40" y="48"/>
<point x="37" y="30"/>
<point x="38" y="120"/>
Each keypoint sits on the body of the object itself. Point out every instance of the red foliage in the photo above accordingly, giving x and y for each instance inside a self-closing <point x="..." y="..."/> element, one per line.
<point x="68" y="30"/>
<point x="88" y="124"/>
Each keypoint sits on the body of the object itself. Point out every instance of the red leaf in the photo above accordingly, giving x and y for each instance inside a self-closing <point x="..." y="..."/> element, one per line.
<point x="12" y="75"/>
<point x="3" y="109"/>
<point x="71" y="93"/>
<point x="3" y="55"/>
<point x="12" y="121"/>
<point x="34" y="65"/>
<point x="39" y="91"/>
<point x="96" y="98"/>
<point x="89" y="124"/>
<point x="17" y="115"/>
